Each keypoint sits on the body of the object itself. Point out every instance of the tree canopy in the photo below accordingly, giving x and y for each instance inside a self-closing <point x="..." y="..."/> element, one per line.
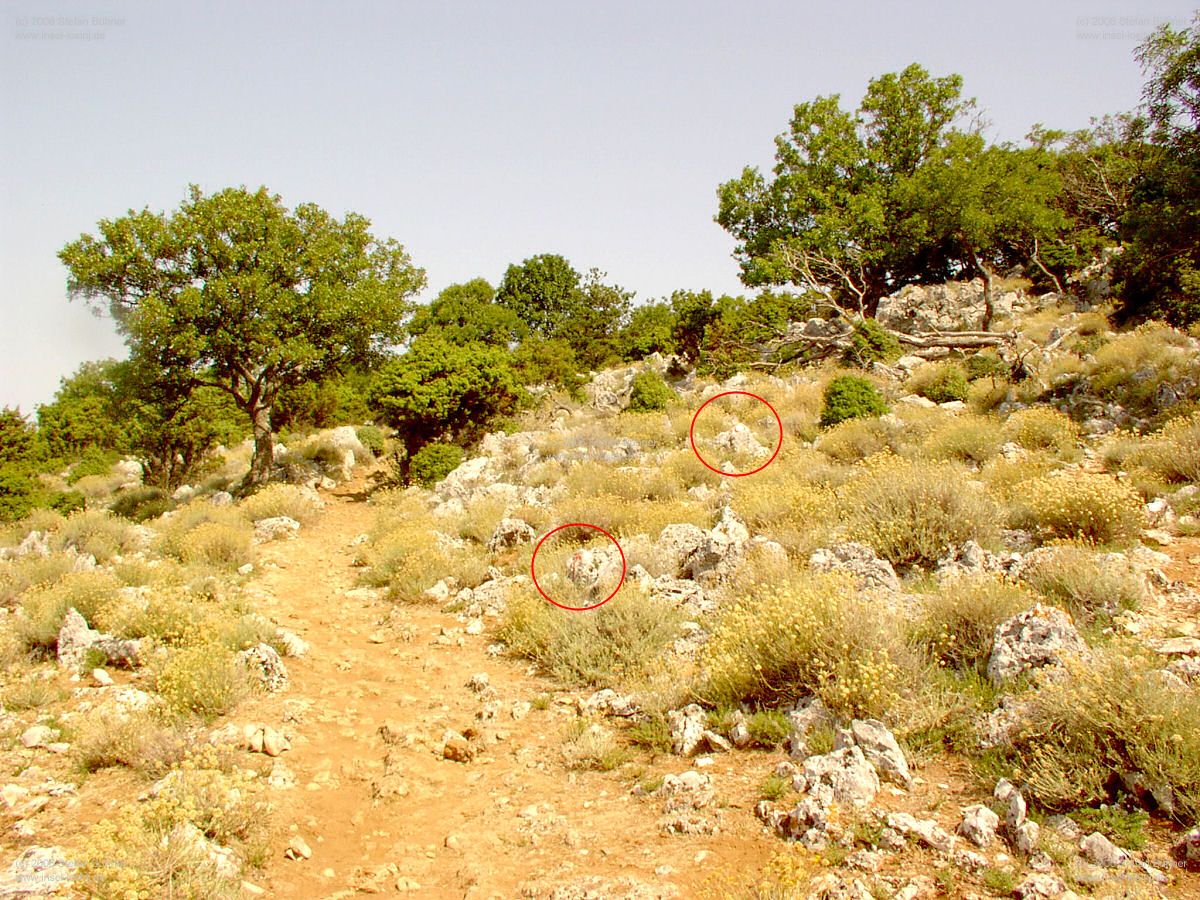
<point x="235" y="292"/>
<point x="467" y="313"/>
<point x="902" y="190"/>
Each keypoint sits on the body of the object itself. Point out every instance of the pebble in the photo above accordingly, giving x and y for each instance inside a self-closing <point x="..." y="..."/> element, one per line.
<point x="102" y="678"/>
<point x="298" y="848"/>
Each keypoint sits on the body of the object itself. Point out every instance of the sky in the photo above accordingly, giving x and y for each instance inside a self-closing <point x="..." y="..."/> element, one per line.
<point x="476" y="133"/>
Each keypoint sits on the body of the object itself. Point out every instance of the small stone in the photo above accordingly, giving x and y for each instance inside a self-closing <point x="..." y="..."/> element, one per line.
<point x="1100" y="851"/>
<point x="102" y="678"/>
<point x="274" y="743"/>
<point x="1025" y="837"/>
<point x="979" y="825"/>
<point x="458" y="750"/>
<point x="38" y="736"/>
<point x="479" y="682"/>
<point x="298" y="848"/>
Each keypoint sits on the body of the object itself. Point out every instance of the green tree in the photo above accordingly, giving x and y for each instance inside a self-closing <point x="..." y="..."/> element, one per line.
<point x="694" y="312"/>
<point x="651" y="329"/>
<point x="443" y="391"/>
<point x="18" y="439"/>
<point x="830" y="214"/>
<point x="467" y="313"/>
<point x="233" y="291"/>
<point x="544" y="292"/>
<point x="1159" y="272"/>
<point x="555" y="301"/>
<point x="86" y="412"/>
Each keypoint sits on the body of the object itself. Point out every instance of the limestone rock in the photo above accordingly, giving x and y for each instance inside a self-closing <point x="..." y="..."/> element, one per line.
<point x="926" y="830"/>
<point x="852" y="779"/>
<point x="678" y="542"/>
<point x="510" y="533"/>
<point x="275" y="528"/>
<point x="859" y="561"/>
<point x="687" y="729"/>
<point x="979" y="825"/>
<point x="1100" y="851"/>
<point x="1038" y="637"/>
<point x="264" y="663"/>
<point x="880" y="748"/>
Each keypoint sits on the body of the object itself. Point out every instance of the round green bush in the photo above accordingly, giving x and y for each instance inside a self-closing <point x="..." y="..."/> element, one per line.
<point x="850" y="397"/>
<point x="371" y="437"/>
<point x="944" y="383"/>
<point x="649" y="393"/>
<point x="871" y="342"/>
<point x="433" y="462"/>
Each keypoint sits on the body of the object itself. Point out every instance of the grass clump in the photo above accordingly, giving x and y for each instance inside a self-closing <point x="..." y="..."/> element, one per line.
<point x="44" y="607"/>
<point x="591" y="746"/>
<point x="204" y="680"/>
<point x="652" y="734"/>
<point x="1085" y="582"/>
<point x="649" y="393"/>
<point x="1081" y="506"/>
<point x="909" y="512"/>
<point x="18" y="575"/>
<point x="143" y="742"/>
<point x="433" y="462"/>
<point x="812" y="636"/>
<point x="96" y="532"/>
<point x="32" y="693"/>
<point x="773" y="787"/>
<point x="857" y="439"/>
<point x="604" y="647"/>
<point x="409" y="559"/>
<point x="1130" y="368"/>
<point x="850" y="397"/>
<point x="293" y="501"/>
<point x="141" y="504"/>
<point x="1174" y="453"/>
<point x="1114" y="713"/>
<point x="372" y="437"/>
<point x="957" y="623"/>
<point x="969" y="439"/>
<point x="940" y="382"/>
<point x="1124" y="827"/>
<point x="1041" y="428"/>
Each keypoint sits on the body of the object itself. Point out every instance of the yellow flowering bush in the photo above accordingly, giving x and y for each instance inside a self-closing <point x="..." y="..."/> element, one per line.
<point x="44" y="606"/>
<point x="293" y="501"/>
<point x="201" y="679"/>
<point x="966" y="439"/>
<point x="1041" y="428"/>
<point x="911" y="511"/>
<point x="1081" y="506"/>
<point x="807" y="636"/>
<point x="956" y="623"/>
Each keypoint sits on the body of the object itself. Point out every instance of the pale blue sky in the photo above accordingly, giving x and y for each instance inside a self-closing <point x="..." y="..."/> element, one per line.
<point x="476" y="133"/>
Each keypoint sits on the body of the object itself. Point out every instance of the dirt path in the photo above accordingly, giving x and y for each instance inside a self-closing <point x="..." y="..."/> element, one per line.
<point x="380" y="807"/>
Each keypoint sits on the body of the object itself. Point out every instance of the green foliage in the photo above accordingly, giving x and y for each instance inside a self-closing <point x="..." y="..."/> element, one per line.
<point x="20" y="491"/>
<point x="540" y="361"/>
<point x="93" y="462"/>
<point x="940" y="383"/>
<point x="18" y="439"/>
<point x="88" y="412"/>
<point x="438" y="390"/>
<point x="649" y="393"/>
<point x="694" y="312"/>
<point x="371" y="437"/>
<point x="468" y="314"/>
<point x="894" y="193"/>
<point x="734" y="336"/>
<point x="258" y="297"/>
<point x="986" y="364"/>
<point x="204" y="680"/>
<point x="871" y="342"/>
<point x="141" y="504"/>
<point x="850" y="397"/>
<point x="339" y="400"/>
<point x="1159" y="272"/>
<point x="651" y="329"/>
<point x="1125" y="828"/>
<point x="433" y="462"/>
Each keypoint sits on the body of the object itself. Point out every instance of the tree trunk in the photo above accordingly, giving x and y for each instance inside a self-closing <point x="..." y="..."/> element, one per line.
<point x="989" y="309"/>
<point x="264" y="447"/>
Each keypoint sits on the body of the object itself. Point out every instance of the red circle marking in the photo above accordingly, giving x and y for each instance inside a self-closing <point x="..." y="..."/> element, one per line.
<point x="533" y="568"/>
<point x="692" y="433"/>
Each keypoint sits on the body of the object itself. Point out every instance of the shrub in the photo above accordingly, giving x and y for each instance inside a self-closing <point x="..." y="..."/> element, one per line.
<point x="986" y="364"/>
<point x="604" y="647"/>
<point x="941" y="382"/>
<point x="850" y="397"/>
<point x="20" y="491"/>
<point x="220" y="544"/>
<point x="592" y="746"/>
<point x="408" y="561"/>
<point x="45" y="606"/>
<point x="1130" y="368"/>
<point x="1085" y="582"/>
<point x="1174" y="453"/>
<point x="652" y="733"/>
<point x="18" y="575"/>
<point x="293" y="501"/>
<point x="910" y="512"/>
<point x="1082" y="507"/>
<point x="957" y="623"/>
<point x="97" y="532"/>
<point x="433" y="462"/>
<point x="138" y="741"/>
<point x="1114" y="713"/>
<point x="141" y="504"/>
<point x="966" y="439"/>
<point x="871" y="342"/>
<point x="649" y="393"/>
<point x="371" y="437"/>
<point x="93" y="462"/>
<point x="856" y="439"/>
<point x="203" y="679"/>
<point x="805" y="637"/>
<point x="1041" y="428"/>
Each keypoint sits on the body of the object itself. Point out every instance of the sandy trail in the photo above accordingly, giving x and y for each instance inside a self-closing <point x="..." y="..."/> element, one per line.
<point x="381" y="808"/>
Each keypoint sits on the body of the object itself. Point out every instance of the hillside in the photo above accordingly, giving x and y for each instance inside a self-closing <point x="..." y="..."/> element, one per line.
<point x="945" y="646"/>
